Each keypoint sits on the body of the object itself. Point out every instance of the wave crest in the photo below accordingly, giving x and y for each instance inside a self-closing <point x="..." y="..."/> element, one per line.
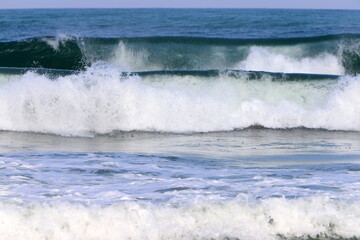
<point x="337" y="54"/>
<point x="263" y="59"/>
<point x="101" y="100"/>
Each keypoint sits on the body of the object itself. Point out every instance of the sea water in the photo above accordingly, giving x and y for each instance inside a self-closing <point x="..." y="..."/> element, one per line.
<point x="179" y="124"/>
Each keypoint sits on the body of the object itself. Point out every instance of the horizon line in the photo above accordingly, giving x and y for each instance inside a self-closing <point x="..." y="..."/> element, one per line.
<point x="229" y="8"/>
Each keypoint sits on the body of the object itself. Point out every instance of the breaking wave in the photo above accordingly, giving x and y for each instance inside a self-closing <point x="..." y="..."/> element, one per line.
<point x="333" y="54"/>
<point x="103" y="99"/>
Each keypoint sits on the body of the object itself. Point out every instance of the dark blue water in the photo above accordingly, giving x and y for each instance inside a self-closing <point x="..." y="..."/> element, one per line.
<point x="224" y="23"/>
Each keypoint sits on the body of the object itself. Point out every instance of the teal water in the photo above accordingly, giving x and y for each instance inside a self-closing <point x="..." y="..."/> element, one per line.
<point x="179" y="124"/>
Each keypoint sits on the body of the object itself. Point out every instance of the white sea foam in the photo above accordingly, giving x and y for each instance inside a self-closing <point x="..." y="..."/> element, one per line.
<point x="6" y="78"/>
<point x="268" y="219"/>
<point x="267" y="59"/>
<point x="97" y="101"/>
<point x="130" y="59"/>
<point x="59" y="40"/>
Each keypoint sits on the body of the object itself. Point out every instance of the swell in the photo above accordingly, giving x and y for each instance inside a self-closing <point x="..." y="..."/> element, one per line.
<point x="331" y="54"/>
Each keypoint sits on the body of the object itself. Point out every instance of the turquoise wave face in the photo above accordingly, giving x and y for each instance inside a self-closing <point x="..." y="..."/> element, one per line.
<point x="42" y="52"/>
<point x="331" y="54"/>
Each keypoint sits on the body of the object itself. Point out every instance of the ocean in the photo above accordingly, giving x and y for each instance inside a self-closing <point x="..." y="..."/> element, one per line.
<point x="179" y="124"/>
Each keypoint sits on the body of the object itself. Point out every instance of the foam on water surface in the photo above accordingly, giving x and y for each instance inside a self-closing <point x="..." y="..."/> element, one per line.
<point x="251" y="184"/>
<point x="143" y="124"/>
<point x="100" y="101"/>
<point x="238" y="219"/>
<point x="263" y="59"/>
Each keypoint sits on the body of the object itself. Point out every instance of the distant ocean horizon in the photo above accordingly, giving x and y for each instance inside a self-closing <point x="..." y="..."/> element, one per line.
<point x="181" y="8"/>
<point x="179" y="124"/>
